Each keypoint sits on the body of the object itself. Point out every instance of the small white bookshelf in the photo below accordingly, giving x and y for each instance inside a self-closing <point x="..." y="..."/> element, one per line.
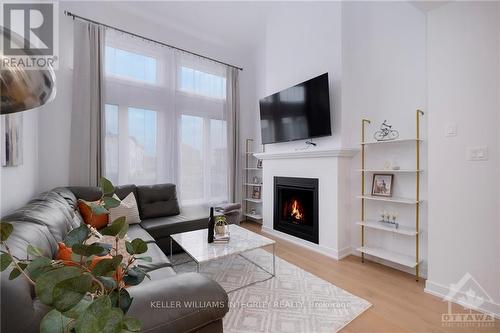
<point x="409" y="233"/>
<point x="252" y="202"/>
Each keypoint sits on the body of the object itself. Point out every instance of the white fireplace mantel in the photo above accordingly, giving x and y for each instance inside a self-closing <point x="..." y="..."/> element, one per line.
<point x="306" y="153"/>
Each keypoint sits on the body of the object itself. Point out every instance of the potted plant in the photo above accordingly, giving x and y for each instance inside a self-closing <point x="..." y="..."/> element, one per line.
<point x="93" y="281"/>
<point x="220" y="225"/>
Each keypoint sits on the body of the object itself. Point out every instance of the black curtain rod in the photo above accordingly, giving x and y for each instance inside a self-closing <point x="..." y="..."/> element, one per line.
<point x="148" y="39"/>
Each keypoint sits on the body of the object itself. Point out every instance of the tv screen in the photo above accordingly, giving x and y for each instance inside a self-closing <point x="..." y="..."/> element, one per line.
<point x="297" y="113"/>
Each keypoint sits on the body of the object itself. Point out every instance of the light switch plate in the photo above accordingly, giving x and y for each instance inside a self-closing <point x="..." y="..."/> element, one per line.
<point x="477" y="153"/>
<point x="451" y="130"/>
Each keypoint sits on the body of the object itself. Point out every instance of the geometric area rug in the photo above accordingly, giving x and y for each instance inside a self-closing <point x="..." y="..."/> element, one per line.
<point x="294" y="301"/>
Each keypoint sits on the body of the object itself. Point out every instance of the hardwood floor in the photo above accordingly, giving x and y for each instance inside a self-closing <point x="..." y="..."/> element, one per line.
<point x="399" y="302"/>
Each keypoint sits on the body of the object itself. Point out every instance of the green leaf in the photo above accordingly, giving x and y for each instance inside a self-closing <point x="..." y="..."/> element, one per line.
<point x="147" y="258"/>
<point x="121" y="299"/>
<point x="46" y="282"/>
<point x="35" y="252"/>
<point x="110" y="202"/>
<point x="100" y="317"/>
<point x="108" y="282"/>
<point x="5" y="261"/>
<point x="98" y="209"/>
<point x="14" y="273"/>
<point x="124" y="231"/>
<point x="137" y="246"/>
<point x="88" y="250"/>
<point x="132" y="324"/>
<point x="77" y="235"/>
<point x="134" y="276"/>
<point x="70" y="292"/>
<point x="107" y="265"/>
<point x="107" y="187"/>
<point x="115" y="227"/>
<point x="5" y="230"/>
<point x="54" y="322"/>
<point x="78" y="309"/>
<point x="39" y="266"/>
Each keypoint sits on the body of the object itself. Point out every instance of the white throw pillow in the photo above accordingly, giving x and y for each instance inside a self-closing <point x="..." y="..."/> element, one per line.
<point x="128" y="208"/>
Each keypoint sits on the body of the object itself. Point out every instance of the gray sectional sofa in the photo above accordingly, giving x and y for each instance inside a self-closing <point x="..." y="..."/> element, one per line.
<point x="47" y="218"/>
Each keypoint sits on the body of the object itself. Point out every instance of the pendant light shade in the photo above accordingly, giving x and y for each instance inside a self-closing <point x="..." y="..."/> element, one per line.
<point x="23" y="89"/>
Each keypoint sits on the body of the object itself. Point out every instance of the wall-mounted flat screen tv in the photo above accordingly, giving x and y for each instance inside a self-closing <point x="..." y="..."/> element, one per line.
<point x="297" y="113"/>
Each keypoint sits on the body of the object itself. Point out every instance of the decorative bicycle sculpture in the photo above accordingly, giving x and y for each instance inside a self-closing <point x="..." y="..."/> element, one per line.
<point x="386" y="133"/>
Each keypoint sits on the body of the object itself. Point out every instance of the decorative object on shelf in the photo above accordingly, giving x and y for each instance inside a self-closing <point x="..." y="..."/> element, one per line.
<point x="395" y="163"/>
<point x="257" y="180"/>
<point x="389" y="218"/>
<point x="211" y="226"/>
<point x="387" y="165"/>
<point x="386" y="133"/>
<point x="259" y="164"/>
<point x="12" y="139"/>
<point x="253" y="211"/>
<point x="382" y="185"/>
<point x="256" y="192"/>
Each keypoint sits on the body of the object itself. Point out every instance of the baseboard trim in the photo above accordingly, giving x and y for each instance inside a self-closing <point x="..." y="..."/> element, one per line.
<point x="329" y="252"/>
<point x="442" y="291"/>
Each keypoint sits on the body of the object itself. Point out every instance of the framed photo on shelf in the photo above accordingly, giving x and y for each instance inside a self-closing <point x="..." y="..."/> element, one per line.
<point x="256" y="192"/>
<point x="382" y="185"/>
<point x="259" y="164"/>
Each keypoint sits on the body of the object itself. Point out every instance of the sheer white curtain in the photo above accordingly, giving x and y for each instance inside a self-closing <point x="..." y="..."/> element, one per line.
<point x="166" y="119"/>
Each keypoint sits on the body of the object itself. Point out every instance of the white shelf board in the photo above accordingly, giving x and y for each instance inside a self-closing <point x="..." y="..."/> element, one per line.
<point x="250" y="184"/>
<point x="388" y="227"/>
<point x="390" y="141"/>
<point x="254" y="152"/>
<point x="398" y="258"/>
<point x="253" y="200"/>
<point x="389" y="171"/>
<point x="253" y="216"/>
<point x="254" y="169"/>
<point x="390" y="199"/>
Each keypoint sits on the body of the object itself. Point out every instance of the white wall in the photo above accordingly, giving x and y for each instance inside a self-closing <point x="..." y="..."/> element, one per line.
<point x="19" y="184"/>
<point x="55" y="125"/>
<point x="302" y="40"/>
<point x="384" y="78"/>
<point x="463" y="87"/>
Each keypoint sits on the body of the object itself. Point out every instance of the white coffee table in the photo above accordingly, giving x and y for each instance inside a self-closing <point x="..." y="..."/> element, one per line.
<point x="241" y="240"/>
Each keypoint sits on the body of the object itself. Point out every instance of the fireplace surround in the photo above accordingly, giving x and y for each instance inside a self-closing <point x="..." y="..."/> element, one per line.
<point x="296" y="207"/>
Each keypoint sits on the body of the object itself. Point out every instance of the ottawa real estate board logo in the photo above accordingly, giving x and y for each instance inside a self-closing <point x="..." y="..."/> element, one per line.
<point x="29" y="35"/>
<point x="473" y="301"/>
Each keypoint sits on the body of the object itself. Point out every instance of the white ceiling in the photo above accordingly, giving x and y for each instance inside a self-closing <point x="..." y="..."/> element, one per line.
<point x="238" y="24"/>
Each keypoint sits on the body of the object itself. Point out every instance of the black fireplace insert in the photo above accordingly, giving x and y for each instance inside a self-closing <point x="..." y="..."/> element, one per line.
<point x="296" y="207"/>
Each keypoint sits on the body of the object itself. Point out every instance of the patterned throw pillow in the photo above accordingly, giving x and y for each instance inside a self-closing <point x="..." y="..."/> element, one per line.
<point x="128" y="208"/>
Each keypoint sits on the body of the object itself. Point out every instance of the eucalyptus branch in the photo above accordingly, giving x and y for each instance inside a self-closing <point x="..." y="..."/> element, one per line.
<point x="17" y="265"/>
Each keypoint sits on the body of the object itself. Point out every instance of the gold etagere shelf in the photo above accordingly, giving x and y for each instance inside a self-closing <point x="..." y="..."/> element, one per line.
<point x="252" y="168"/>
<point x="408" y="261"/>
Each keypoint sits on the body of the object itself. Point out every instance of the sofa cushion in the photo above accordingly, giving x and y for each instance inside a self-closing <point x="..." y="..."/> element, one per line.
<point x="161" y="227"/>
<point x="159" y="259"/>
<point x="157" y="201"/>
<point x="136" y="231"/>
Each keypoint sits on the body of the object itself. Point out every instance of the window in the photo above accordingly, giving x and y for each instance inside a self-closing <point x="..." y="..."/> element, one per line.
<point x="111" y="142"/>
<point x="142" y="145"/>
<point x="201" y="83"/>
<point x="130" y="65"/>
<point x="165" y="120"/>
<point x="203" y="160"/>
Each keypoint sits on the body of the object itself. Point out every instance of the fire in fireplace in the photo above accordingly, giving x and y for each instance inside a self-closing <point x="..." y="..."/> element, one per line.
<point x="296" y="207"/>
